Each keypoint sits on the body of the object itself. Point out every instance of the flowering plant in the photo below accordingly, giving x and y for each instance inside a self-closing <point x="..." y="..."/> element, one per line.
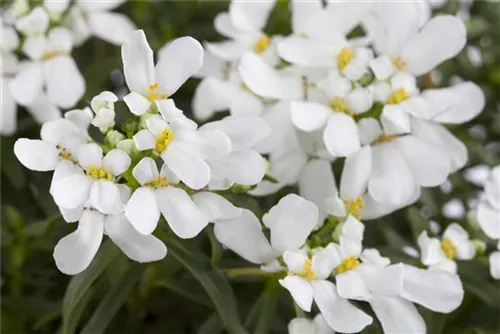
<point x="303" y="171"/>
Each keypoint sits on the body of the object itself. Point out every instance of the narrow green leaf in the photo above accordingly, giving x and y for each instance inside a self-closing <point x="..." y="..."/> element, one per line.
<point x="185" y="289"/>
<point x="212" y="280"/>
<point x="211" y="325"/>
<point x="215" y="245"/>
<point x="81" y="283"/>
<point x="263" y="312"/>
<point x="418" y="223"/>
<point x="113" y="300"/>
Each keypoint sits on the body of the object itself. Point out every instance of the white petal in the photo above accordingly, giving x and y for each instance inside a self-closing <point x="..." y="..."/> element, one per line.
<point x="90" y="155"/>
<point x="145" y="171"/>
<point x="225" y="26"/>
<point x="244" y="167"/>
<point x="437" y="290"/>
<point x="43" y="110"/>
<point x="369" y="130"/>
<point x="228" y="50"/>
<point x="72" y="191"/>
<point x="210" y="97"/>
<point x="489" y="220"/>
<point x="495" y="265"/>
<point x="250" y="16"/>
<point x="391" y="181"/>
<point x="215" y="207"/>
<point x="372" y="256"/>
<point x="295" y="260"/>
<point x="73" y="215"/>
<point x="335" y="206"/>
<point x="179" y="60"/>
<point x="439" y="137"/>
<point x="8" y="115"/>
<point x="142" y="211"/>
<point x="355" y="174"/>
<point x="36" y="155"/>
<point x="291" y="221"/>
<point x="460" y="238"/>
<point x="382" y="67"/>
<point x="309" y="116"/>
<point x="442" y="38"/>
<point x="395" y="119"/>
<point x="359" y="100"/>
<point x="74" y="252"/>
<point x="136" y="103"/>
<point x="427" y="164"/>
<point x="353" y="228"/>
<point x="138" y="65"/>
<point x="350" y="285"/>
<point x="316" y="183"/>
<point x="300" y="289"/>
<point x="144" y="140"/>
<point x="181" y="213"/>
<point x="243" y="235"/>
<point x="27" y="84"/>
<point x="116" y="162"/>
<point x="338" y="312"/>
<point x="105" y="197"/>
<point x="301" y="325"/>
<point x="457" y="104"/>
<point x="341" y="135"/>
<point x="111" y="27"/>
<point x="188" y="166"/>
<point x="398" y="315"/>
<point x="65" y="84"/>
<point x="138" y="247"/>
<point x="430" y="249"/>
<point x="306" y="52"/>
<point x="322" y="326"/>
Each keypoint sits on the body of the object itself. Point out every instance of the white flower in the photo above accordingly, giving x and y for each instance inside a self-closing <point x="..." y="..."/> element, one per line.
<point x="290" y="221"/>
<point x="488" y="210"/>
<point x="104" y="108"/>
<point x="34" y="23"/>
<point x="95" y="181"/>
<point x="412" y="49"/>
<point x="184" y="149"/>
<point x="74" y="252"/>
<point x="179" y="60"/>
<point x="160" y="193"/>
<point x="8" y="113"/>
<point x="56" y="8"/>
<point x="243" y="25"/>
<point x="441" y="254"/>
<point x="495" y="263"/>
<point x="93" y="18"/>
<point x="318" y="325"/>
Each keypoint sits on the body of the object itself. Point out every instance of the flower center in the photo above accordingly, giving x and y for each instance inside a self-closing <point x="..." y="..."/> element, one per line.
<point x="399" y="63"/>
<point x="449" y="248"/>
<point x="348" y="264"/>
<point x="383" y="138"/>
<point x="159" y="182"/>
<point x="397" y="96"/>
<point x="66" y="155"/>
<point x="98" y="173"/>
<point x="262" y="44"/>
<point x="164" y="139"/>
<point x="153" y="94"/>
<point x="338" y="104"/>
<point x="54" y="53"/>
<point x="354" y="206"/>
<point x="344" y="58"/>
<point x="307" y="271"/>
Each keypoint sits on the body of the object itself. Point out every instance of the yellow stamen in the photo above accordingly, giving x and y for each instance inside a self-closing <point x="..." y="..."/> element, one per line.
<point x="164" y="139"/>
<point x="338" y="104"/>
<point x="344" y="58"/>
<point x="98" y="173"/>
<point x="449" y="248"/>
<point x="159" y="182"/>
<point x="66" y="155"/>
<point x="153" y="95"/>
<point x="399" y="63"/>
<point x="307" y="271"/>
<point x="348" y="264"/>
<point x="383" y="138"/>
<point x="398" y="96"/>
<point x="54" y="53"/>
<point x="353" y="207"/>
<point x="262" y="44"/>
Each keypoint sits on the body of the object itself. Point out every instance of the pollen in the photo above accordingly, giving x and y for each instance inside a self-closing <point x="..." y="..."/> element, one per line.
<point x="344" y="58"/>
<point x="163" y="139"/>
<point x="307" y="271"/>
<point x="348" y="264"/>
<point x="66" y="155"/>
<point x="159" y="182"/>
<point x="98" y="173"/>
<point x="398" y="96"/>
<point x="262" y="44"/>
<point x="383" y="138"/>
<point x="338" y="104"/>
<point x="399" y="63"/>
<point x="53" y="53"/>
<point x="153" y="94"/>
<point x="449" y="248"/>
<point x="353" y="207"/>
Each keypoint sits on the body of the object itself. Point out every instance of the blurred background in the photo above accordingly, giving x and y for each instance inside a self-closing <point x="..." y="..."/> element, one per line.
<point x="164" y="297"/>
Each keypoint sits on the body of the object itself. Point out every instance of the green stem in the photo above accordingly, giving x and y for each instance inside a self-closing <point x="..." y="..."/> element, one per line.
<point x="236" y="272"/>
<point x="298" y="311"/>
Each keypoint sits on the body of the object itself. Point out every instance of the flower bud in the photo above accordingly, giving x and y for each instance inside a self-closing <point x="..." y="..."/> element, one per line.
<point x="112" y="138"/>
<point x="128" y="145"/>
<point x="20" y="7"/>
<point x="480" y="246"/>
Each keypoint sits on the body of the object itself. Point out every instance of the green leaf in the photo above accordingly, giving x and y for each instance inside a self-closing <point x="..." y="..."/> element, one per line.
<point x="81" y="283"/>
<point x="211" y="325"/>
<point x="184" y="288"/>
<point x="212" y="280"/>
<point x="418" y="223"/>
<point x="113" y="300"/>
<point x="263" y="312"/>
<point x="215" y="245"/>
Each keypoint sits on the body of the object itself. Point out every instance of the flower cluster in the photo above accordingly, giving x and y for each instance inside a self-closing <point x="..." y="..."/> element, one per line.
<point x="38" y="70"/>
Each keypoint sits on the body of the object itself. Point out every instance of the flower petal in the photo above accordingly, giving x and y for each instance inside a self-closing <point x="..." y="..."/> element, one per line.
<point x="90" y="155"/>
<point x="136" y="103"/>
<point x="495" y="265"/>
<point x="430" y="249"/>
<point x="308" y="116"/>
<point x="138" y="65"/>
<point x="395" y="119"/>
<point x="489" y="219"/>
<point x="243" y="235"/>
<point x="36" y="155"/>
<point x="111" y="27"/>
<point x="145" y="171"/>
<point x="355" y="174"/>
<point x="116" y="162"/>
<point x="138" y="247"/>
<point x="398" y="315"/>
<point x="215" y="207"/>
<point x="250" y="16"/>
<point x="142" y="211"/>
<point x="74" y="252"/>
<point x="181" y="213"/>
<point x="65" y="84"/>
<point x="306" y="52"/>
<point x="27" y="84"/>
<point x="144" y="140"/>
<point x="300" y="289"/>
<point x="105" y="197"/>
<point x="291" y="221"/>
<point x="72" y="191"/>
<point x="341" y="135"/>
<point x="244" y="167"/>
